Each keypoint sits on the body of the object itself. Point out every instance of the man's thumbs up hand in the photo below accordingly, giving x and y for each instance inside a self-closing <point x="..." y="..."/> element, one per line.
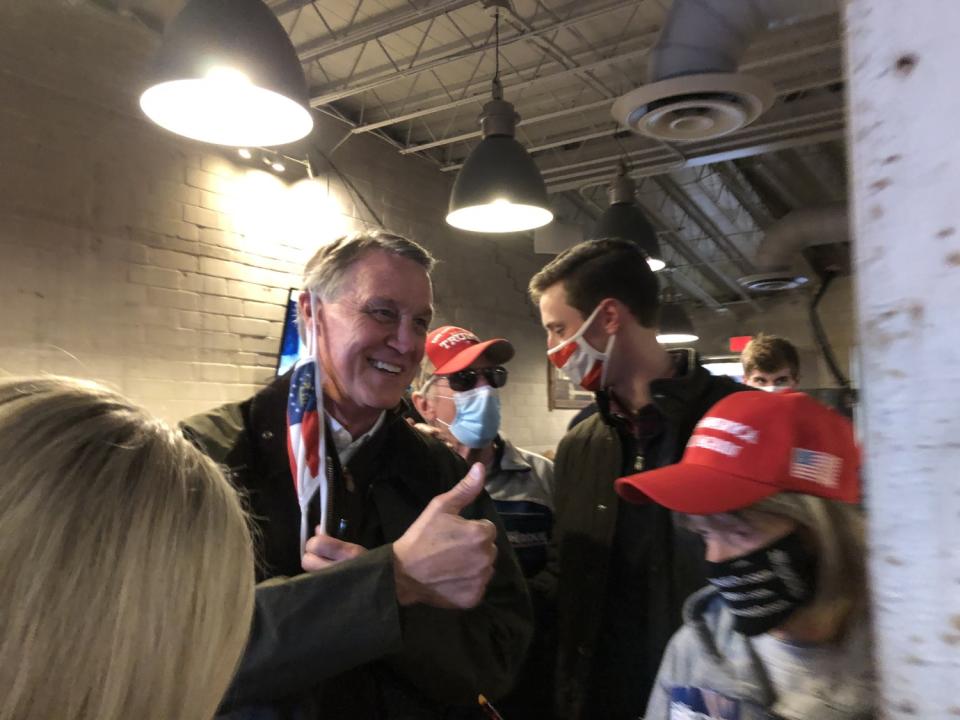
<point x="442" y="559"/>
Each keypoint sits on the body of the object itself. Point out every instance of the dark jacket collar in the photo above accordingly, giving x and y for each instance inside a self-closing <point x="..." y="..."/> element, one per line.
<point x="671" y="396"/>
<point x="268" y="419"/>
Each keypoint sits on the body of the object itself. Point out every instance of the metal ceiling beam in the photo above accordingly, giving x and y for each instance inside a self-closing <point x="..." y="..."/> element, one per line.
<point x="680" y="198"/>
<point x="663" y="156"/>
<point x="648" y="41"/>
<point x="523" y="121"/>
<point x="332" y="93"/>
<point x="740" y="188"/>
<point x="827" y="115"/>
<point x="376" y="27"/>
<point x="482" y="96"/>
<point x="691" y="288"/>
<point x="708" y="157"/>
<point x="553" y="50"/>
<point x="693" y="255"/>
<point x="282" y="7"/>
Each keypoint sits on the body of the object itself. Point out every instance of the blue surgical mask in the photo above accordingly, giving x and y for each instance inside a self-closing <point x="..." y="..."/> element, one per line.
<point x="477" y="421"/>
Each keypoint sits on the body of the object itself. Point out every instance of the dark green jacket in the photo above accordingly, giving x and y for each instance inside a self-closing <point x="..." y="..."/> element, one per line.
<point x="590" y="457"/>
<point x="337" y="640"/>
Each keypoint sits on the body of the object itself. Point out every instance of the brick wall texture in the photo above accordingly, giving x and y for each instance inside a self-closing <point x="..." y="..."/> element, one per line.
<point x="161" y="267"/>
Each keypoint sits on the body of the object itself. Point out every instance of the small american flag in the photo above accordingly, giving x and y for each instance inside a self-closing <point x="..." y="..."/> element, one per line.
<point x="306" y="441"/>
<point x="818" y="467"/>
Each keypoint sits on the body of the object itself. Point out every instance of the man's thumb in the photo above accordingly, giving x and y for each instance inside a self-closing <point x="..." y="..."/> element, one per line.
<point x="464" y="492"/>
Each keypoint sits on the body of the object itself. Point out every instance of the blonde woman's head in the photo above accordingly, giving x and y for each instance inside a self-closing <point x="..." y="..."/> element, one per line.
<point x="125" y="561"/>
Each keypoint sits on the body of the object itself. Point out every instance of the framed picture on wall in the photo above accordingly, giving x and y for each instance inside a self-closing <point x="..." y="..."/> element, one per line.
<point x="563" y="394"/>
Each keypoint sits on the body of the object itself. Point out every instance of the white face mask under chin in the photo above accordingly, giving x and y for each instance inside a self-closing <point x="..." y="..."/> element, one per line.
<point x="584" y="365"/>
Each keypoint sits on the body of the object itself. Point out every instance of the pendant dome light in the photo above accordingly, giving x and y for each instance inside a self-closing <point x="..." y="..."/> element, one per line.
<point x="499" y="188"/>
<point x="675" y="325"/>
<point x="227" y="73"/>
<point x="623" y="219"/>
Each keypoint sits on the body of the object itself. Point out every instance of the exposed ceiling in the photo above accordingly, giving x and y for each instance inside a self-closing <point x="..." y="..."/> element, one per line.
<point x="416" y="73"/>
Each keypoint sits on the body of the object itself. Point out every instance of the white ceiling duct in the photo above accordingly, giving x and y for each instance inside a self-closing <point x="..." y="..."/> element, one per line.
<point x="694" y="91"/>
<point x="779" y="254"/>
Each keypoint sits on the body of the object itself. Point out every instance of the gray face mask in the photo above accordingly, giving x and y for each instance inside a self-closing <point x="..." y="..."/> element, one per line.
<point x="765" y="587"/>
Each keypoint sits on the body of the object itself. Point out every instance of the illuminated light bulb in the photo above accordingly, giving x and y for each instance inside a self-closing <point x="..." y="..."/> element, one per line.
<point x="226" y="73"/>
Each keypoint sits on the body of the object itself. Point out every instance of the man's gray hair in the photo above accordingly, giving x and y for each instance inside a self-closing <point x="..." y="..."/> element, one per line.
<point x="325" y="271"/>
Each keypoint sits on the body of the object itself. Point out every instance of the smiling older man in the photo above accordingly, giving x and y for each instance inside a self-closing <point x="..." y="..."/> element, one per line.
<point x="419" y="604"/>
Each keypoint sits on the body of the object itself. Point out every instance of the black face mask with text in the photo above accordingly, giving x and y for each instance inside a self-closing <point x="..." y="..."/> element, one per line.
<point x="764" y="587"/>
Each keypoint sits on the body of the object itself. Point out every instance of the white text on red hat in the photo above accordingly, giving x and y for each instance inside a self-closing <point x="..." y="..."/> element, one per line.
<point x="740" y="431"/>
<point x="709" y="442"/>
<point x="456" y="339"/>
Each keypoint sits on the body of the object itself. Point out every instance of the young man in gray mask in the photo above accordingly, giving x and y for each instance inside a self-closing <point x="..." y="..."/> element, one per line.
<point x="771" y="484"/>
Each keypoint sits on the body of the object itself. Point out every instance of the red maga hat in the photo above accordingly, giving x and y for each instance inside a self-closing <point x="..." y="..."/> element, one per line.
<point x="452" y="349"/>
<point x="752" y="445"/>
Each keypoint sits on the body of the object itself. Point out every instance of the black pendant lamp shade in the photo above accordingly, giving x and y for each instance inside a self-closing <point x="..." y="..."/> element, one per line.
<point x="227" y="73"/>
<point x="499" y="188"/>
<point x="675" y="325"/>
<point x="623" y="219"/>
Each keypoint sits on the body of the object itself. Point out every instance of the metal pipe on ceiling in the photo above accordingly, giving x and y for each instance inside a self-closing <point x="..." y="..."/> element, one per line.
<point x="806" y="227"/>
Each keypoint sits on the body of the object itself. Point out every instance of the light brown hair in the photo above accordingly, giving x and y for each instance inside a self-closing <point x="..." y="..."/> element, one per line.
<point x="769" y="353"/>
<point x="125" y="561"/>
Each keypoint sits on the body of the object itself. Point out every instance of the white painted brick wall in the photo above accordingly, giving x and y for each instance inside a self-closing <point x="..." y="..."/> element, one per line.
<point x="127" y="255"/>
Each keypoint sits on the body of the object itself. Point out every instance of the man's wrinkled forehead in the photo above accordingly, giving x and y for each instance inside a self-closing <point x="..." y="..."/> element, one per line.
<point x="376" y="274"/>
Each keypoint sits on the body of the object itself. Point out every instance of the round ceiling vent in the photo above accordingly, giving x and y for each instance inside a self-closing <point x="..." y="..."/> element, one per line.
<point x="689" y="108"/>
<point x="773" y="281"/>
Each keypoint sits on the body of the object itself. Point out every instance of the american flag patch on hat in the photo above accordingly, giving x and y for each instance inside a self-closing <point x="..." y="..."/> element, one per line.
<point x="817" y="467"/>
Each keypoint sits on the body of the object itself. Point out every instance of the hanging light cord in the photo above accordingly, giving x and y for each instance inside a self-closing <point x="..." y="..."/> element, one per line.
<point x="497" y="87"/>
<point x="496" y="44"/>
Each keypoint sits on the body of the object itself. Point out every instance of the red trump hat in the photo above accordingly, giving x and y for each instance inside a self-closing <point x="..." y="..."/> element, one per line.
<point x="452" y="349"/>
<point x="752" y="445"/>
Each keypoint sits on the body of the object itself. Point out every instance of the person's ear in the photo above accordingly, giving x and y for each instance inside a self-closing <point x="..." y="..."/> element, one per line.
<point x="308" y="312"/>
<point x="610" y="317"/>
<point x="423" y="406"/>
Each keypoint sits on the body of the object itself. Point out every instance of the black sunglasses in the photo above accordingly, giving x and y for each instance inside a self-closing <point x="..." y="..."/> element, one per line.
<point x="467" y="379"/>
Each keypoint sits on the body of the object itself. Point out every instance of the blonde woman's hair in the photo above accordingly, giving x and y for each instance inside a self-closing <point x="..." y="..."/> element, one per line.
<point x="838" y="533"/>
<point x="125" y="561"/>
